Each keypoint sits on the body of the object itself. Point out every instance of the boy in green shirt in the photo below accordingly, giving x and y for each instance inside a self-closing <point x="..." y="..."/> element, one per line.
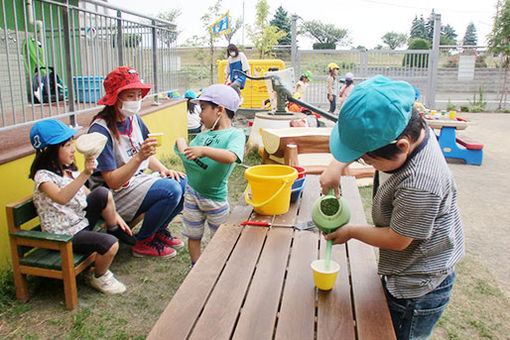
<point x="209" y="160"/>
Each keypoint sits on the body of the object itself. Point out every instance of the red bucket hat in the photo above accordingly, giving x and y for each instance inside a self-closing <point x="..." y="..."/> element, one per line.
<point x="120" y="79"/>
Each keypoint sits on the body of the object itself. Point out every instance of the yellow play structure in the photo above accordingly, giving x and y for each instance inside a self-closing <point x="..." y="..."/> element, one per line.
<point x="255" y="91"/>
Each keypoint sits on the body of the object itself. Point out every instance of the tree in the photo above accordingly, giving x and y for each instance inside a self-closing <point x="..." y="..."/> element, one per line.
<point x="417" y="60"/>
<point x="170" y="16"/>
<point x="327" y="35"/>
<point x="429" y="25"/>
<point x="448" y="35"/>
<point x="418" y="28"/>
<point x="470" y="37"/>
<point x="211" y="15"/>
<point x="499" y="41"/>
<point x="394" y="39"/>
<point x="233" y="29"/>
<point x="282" y="21"/>
<point x="263" y="35"/>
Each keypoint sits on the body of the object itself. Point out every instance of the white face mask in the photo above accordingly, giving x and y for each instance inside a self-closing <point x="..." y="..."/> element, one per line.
<point x="232" y="54"/>
<point x="130" y="108"/>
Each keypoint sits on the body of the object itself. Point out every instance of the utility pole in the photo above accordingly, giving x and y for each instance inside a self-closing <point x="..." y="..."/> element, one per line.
<point x="243" y="25"/>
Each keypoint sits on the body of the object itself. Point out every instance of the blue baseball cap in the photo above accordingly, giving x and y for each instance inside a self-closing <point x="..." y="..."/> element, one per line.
<point x="50" y="132"/>
<point x="374" y="115"/>
<point x="190" y="94"/>
<point x="220" y="94"/>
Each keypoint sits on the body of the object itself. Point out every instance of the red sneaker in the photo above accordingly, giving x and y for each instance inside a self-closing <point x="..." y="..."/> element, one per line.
<point x="151" y="247"/>
<point x="167" y="239"/>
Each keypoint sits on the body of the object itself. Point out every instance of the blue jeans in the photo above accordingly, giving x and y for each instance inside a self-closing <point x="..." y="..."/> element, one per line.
<point x="415" y="318"/>
<point x="161" y="204"/>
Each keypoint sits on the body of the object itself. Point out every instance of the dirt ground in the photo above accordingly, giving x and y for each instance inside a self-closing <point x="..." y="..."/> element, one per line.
<point x="484" y="194"/>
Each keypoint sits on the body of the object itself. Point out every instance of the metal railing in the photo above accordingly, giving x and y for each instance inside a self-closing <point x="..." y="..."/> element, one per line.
<point x="54" y="56"/>
<point x="409" y="65"/>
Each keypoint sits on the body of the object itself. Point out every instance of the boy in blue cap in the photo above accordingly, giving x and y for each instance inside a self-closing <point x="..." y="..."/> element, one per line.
<point x="208" y="161"/>
<point x="417" y="222"/>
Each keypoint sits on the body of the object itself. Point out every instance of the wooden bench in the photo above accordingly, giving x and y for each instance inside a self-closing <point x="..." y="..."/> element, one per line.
<point x="256" y="282"/>
<point x="39" y="253"/>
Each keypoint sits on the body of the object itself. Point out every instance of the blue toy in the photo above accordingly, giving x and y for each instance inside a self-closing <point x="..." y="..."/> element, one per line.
<point x="453" y="147"/>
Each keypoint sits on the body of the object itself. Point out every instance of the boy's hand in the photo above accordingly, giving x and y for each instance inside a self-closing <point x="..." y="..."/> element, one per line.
<point x="90" y="165"/>
<point x="341" y="235"/>
<point x="174" y="174"/>
<point x="194" y="152"/>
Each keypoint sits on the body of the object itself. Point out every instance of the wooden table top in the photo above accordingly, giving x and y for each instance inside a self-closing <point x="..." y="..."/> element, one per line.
<point x="256" y="282"/>
<point x="439" y="123"/>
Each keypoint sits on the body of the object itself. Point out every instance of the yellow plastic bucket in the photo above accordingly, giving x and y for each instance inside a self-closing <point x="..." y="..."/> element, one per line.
<point x="271" y="186"/>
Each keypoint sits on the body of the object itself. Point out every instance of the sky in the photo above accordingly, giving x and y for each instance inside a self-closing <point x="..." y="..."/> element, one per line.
<point x="366" y="20"/>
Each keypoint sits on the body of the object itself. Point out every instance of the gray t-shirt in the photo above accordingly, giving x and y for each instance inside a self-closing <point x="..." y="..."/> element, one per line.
<point x="419" y="200"/>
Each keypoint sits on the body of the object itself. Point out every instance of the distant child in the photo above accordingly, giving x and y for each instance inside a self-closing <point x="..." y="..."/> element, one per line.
<point x="346" y="89"/>
<point x="417" y="229"/>
<point x="302" y="84"/>
<point x="194" y="123"/>
<point x="332" y="86"/>
<point x="66" y="206"/>
<point x="209" y="160"/>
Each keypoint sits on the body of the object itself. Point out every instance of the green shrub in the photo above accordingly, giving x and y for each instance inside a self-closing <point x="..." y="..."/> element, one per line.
<point x="478" y="104"/>
<point x="417" y="60"/>
<point x="480" y="61"/>
<point x="451" y="62"/>
<point x="477" y="108"/>
<point x="324" y="46"/>
<point x="451" y="106"/>
<point x="464" y="108"/>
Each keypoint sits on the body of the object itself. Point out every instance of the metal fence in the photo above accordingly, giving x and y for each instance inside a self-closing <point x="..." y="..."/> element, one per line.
<point x="409" y="65"/>
<point x="54" y="56"/>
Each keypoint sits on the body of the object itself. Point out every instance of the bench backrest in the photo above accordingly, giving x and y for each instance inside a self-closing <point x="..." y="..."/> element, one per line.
<point x="18" y="214"/>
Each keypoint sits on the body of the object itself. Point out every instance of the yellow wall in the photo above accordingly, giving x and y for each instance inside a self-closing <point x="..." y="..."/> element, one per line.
<point x="15" y="184"/>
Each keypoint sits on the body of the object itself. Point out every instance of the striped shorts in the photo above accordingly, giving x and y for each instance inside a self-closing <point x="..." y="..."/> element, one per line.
<point x="198" y="209"/>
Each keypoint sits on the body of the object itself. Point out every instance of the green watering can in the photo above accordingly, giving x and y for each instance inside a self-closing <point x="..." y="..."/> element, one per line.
<point x="330" y="213"/>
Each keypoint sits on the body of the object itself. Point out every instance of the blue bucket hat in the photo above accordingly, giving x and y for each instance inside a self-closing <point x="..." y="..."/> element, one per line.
<point x="375" y="114"/>
<point x="50" y="132"/>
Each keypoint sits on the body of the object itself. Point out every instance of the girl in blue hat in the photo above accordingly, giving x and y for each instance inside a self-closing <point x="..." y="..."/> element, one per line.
<point x="66" y="206"/>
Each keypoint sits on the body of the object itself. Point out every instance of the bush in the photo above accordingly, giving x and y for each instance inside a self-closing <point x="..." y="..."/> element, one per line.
<point x="464" y="108"/>
<point x="451" y="62"/>
<point x="480" y="61"/>
<point x="417" y="60"/>
<point x="324" y="46"/>
<point x="451" y="106"/>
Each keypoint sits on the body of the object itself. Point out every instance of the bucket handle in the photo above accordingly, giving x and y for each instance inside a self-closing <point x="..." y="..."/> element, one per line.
<point x="258" y="205"/>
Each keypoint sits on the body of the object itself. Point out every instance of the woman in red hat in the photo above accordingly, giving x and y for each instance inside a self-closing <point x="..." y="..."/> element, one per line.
<point x="122" y="164"/>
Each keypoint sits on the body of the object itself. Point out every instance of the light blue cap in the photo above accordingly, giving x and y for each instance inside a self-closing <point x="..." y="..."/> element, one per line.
<point x="190" y="94"/>
<point x="220" y="94"/>
<point x="49" y="132"/>
<point x="375" y="114"/>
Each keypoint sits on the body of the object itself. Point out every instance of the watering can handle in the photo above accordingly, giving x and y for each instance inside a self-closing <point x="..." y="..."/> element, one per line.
<point x="258" y="205"/>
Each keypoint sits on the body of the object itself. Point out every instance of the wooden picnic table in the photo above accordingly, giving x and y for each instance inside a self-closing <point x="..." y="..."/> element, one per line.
<point x="256" y="282"/>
